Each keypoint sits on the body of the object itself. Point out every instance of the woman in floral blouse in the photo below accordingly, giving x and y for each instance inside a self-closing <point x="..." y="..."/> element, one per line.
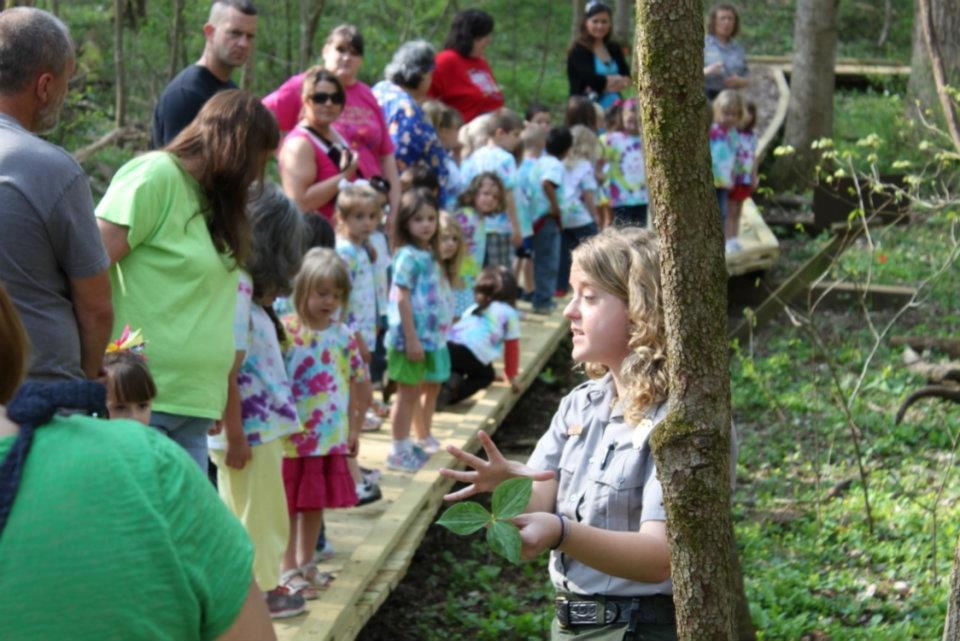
<point x="400" y="95"/>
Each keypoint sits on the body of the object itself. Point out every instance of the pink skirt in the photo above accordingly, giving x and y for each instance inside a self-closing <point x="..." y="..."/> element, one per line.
<point x="314" y="483"/>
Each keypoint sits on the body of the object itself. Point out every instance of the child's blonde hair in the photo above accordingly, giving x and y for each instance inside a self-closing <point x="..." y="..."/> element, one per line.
<point x="585" y="146"/>
<point x="451" y="266"/>
<point x="352" y="198"/>
<point x="320" y="265"/>
<point x="533" y="136"/>
<point x="442" y="115"/>
<point x="728" y="100"/>
<point x="473" y="135"/>
<point x="625" y="261"/>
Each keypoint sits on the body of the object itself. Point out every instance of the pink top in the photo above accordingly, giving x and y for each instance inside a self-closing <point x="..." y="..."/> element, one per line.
<point x="362" y="123"/>
<point x="325" y="166"/>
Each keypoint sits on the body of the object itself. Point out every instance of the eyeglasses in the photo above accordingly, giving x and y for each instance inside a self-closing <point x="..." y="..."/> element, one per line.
<point x="321" y="97"/>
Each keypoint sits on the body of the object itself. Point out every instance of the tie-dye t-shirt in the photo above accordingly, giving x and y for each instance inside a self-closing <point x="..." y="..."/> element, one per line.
<point x="547" y="169"/>
<point x="484" y="333"/>
<point x="524" y="194"/>
<point x="360" y="312"/>
<point x="625" y="169"/>
<point x="577" y="179"/>
<point x="381" y="264"/>
<point x="321" y="366"/>
<point x="266" y="397"/>
<point x="417" y="271"/>
<point x="746" y="153"/>
<point x="723" y="152"/>
<point x="448" y="307"/>
<point x="504" y="165"/>
<point x="473" y="226"/>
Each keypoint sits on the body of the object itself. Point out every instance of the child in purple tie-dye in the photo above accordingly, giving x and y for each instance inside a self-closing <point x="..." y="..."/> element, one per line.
<point x="260" y="412"/>
<point x="325" y="368"/>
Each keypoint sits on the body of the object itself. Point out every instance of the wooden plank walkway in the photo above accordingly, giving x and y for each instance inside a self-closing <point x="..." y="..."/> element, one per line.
<point x="375" y="543"/>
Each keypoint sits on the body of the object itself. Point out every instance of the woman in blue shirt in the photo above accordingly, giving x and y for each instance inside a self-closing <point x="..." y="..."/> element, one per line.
<point x="596" y="67"/>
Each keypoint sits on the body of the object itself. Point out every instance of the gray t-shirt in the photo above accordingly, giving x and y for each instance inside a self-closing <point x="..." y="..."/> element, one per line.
<point x="48" y="235"/>
<point x="607" y="479"/>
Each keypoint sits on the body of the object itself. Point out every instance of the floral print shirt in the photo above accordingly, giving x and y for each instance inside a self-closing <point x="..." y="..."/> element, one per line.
<point x="625" y="169"/>
<point x="266" y="397"/>
<point x="484" y="333"/>
<point x="415" y="270"/>
<point x="411" y="132"/>
<point x="360" y="312"/>
<point x="321" y="365"/>
<point x="474" y="231"/>
<point x="723" y="150"/>
<point x="503" y="164"/>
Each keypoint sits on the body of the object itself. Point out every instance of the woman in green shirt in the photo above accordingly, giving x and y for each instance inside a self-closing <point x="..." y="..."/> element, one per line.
<point x="174" y="227"/>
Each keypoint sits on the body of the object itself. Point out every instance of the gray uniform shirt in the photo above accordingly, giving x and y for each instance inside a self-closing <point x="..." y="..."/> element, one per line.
<point x="607" y="479"/>
<point x="48" y="235"/>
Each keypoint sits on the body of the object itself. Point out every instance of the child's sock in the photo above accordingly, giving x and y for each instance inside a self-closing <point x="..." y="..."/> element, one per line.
<point x="401" y="446"/>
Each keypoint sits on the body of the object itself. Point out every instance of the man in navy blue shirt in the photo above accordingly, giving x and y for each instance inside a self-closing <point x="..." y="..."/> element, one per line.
<point x="229" y="33"/>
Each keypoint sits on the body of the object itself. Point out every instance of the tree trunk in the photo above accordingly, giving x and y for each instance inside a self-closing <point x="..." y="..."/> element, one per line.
<point x="810" y="113"/>
<point x="692" y="446"/>
<point x="310" y="11"/>
<point x="120" y="82"/>
<point x="578" y="6"/>
<point x="176" y="40"/>
<point x="951" y="628"/>
<point x="248" y="75"/>
<point x="621" y="21"/>
<point x="936" y="62"/>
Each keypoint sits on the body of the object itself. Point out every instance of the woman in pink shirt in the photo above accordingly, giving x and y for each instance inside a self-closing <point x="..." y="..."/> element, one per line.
<point x="361" y="124"/>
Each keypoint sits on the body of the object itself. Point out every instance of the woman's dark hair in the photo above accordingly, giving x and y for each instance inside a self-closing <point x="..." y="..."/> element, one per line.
<point x="411" y="202"/>
<point x="13" y="348"/>
<point x="225" y="149"/>
<point x="469" y="195"/>
<point x="494" y="283"/>
<point x="279" y="241"/>
<point x="535" y="108"/>
<point x="467" y="26"/>
<point x="712" y="19"/>
<point x="128" y="378"/>
<point x="559" y="141"/>
<point x="580" y="111"/>
<point x="583" y="37"/>
<point x="317" y="74"/>
<point x="420" y="175"/>
<point x="320" y="232"/>
<point x="349" y="33"/>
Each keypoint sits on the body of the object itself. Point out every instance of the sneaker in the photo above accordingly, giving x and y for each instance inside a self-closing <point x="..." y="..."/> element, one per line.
<point x="559" y="293"/>
<point x="294" y="583"/>
<point x="732" y="246"/>
<point x="407" y="461"/>
<point x="324" y="550"/>
<point x="380" y="409"/>
<point x="369" y="475"/>
<point x="368" y="493"/>
<point x="371" y="422"/>
<point x="316" y="577"/>
<point x="429" y="445"/>
<point x="283" y="603"/>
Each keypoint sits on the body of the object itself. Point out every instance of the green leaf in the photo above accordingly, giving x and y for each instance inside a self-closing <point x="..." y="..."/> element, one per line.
<point x="511" y="497"/>
<point x="504" y="539"/>
<point x="464" y="518"/>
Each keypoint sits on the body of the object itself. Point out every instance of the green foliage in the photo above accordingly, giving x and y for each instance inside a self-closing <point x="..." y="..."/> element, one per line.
<point x="509" y="500"/>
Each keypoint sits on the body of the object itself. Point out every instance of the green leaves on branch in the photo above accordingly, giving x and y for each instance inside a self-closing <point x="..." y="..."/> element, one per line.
<point x="510" y="499"/>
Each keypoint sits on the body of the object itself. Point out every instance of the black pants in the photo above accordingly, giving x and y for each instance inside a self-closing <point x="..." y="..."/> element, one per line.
<point x="467" y="374"/>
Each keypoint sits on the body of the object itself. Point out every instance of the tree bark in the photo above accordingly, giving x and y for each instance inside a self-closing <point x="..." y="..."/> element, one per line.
<point x="810" y="113"/>
<point x="176" y="40"/>
<point x="935" y="40"/>
<point x="945" y="21"/>
<point x="951" y="628"/>
<point x="575" y="20"/>
<point x="692" y="446"/>
<point x="621" y="21"/>
<point x="120" y="82"/>
<point x="310" y="11"/>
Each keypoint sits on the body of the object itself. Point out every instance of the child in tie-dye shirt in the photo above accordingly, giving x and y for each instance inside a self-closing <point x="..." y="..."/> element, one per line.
<point x="482" y="199"/>
<point x="325" y="368"/>
<point x="727" y="114"/>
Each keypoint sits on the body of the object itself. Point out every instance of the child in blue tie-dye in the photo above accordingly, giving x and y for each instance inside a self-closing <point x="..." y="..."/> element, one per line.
<point x="413" y="340"/>
<point x="481" y="201"/>
<point x="260" y="407"/>
<point x="727" y="114"/>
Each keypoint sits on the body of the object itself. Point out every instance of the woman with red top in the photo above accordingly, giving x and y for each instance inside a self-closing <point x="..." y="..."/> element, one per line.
<point x="361" y="123"/>
<point x="462" y="78"/>
<point x="314" y="158"/>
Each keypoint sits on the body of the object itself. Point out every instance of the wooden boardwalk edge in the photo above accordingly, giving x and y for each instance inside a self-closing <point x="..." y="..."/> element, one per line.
<point x="376" y="559"/>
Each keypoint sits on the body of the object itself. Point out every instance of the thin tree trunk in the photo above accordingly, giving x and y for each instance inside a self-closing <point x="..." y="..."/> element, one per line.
<point x="577" y="17"/>
<point x="176" y="38"/>
<point x="692" y="446"/>
<point x="287" y="40"/>
<point x="621" y="21"/>
<point x="120" y="82"/>
<point x="951" y="628"/>
<point x="248" y="75"/>
<point x="932" y="41"/>
<point x="810" y="114"/>
<point x="310" y="11"/>
<point x="887" y="22"/>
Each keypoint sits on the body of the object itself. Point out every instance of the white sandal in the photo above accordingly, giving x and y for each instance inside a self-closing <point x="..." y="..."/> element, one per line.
<point x="296" y="583"/>
<point x="315" y="577"/>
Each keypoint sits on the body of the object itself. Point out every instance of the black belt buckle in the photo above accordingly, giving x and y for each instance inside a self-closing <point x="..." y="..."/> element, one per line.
<point x="563" y="611"/>
<point x="573" y="612"/>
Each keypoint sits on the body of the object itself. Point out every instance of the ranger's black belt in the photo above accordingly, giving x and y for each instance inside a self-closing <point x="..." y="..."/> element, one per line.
<point x="575" y="609"/>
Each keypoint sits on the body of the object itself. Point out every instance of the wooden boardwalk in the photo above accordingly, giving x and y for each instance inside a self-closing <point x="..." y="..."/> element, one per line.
<point x="375" y="543"/>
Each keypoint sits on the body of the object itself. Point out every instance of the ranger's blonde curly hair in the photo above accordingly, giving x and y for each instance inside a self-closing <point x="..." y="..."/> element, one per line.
<point x="625" y="261"/>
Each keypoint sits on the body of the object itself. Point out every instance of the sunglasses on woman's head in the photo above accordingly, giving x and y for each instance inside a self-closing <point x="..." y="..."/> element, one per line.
<point x="321" y="97"/>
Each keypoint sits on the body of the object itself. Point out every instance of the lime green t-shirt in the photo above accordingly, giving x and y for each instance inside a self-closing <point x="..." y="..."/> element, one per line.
<point x="173" y="285"/>
<point x="116" y="534"/>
